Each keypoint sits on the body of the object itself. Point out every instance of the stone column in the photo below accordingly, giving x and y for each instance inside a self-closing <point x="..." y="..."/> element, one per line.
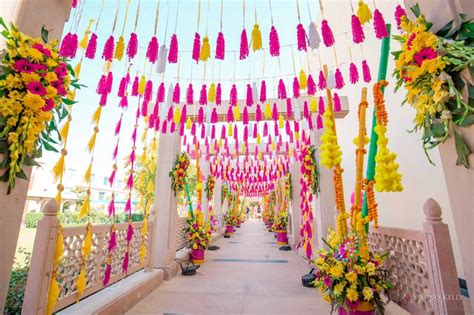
<point x="294" y="236"/>
<point x="29" y="16"/>
<point x="217" y="201"/>
<point x="164" y="211"/>
<point x="205" y="170"/>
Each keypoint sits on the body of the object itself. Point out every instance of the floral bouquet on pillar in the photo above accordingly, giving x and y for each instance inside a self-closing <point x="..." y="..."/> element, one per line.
<point x="198" y="232"/>
<point x="350" y="277"/>
<point x="35" y="85"/>
<point x="279" y="226"/>
<point x="230" y="221"/>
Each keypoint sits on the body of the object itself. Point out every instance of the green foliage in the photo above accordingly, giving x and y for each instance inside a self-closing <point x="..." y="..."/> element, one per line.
<point x="17" y="285"/>
<point x="32" y="219"/>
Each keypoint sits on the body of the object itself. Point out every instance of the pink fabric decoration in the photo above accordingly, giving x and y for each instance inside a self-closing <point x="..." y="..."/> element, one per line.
<point x="74" y="3"/>
<point x="123" y="102"/>
<point x="132" y="46"/>
<point x="274" y="42"/>
<point x="214" y="117"/>
<point x="220" y="46"/>
<point x="281" y="90"/>
<point x="321" y="105"/>
<point x="160" y="97"/>
<point x="399" y="13"/>
<point x="230" y="114"/>
<point x="275" y="112"/>
<point x="339" y="79"/>
<point x="289" y="107"/>
<point x="305" y="110"/>
<point x="366" y="72"/>
<point x="337" y="103"/>
<point x="265" y="129"/>
<point x="108" y="271"/>
<point x="328" y="37"/>
<point x="213" y="132"/>
<point x="311" y="85"/>
<point x="203" y="95"/>
<point x="301" y="37"/>
<point x="201" y="115"/>
<point x="249" y="100"/>
<point x="244" y="45"/>
<point x="176" y="94"/>
<point x="319" y="122"/>
<point x="379" y="25"/>
<point x="102" y="85"/>
<point x="296" y="88"/>
<point x="353" y="73"/>
<point x="173" y="52"/>
<point x="233" y="95"/>
<point x="357" y="31"/>
<point x="148" y="91"/>
<point x="152" y="50"/>
<point x="246" y="133"/>
<point x="91" y="47"/>
<point x="258" y="113"/>
<point x="69" y="45"/>
<point x="108" y="52"/>
<point x="196" y="47"/>
<point x="184" y="114"/>
<point x="190" y="95"/>
<point x="322" y="80"/>
<point x="125" y="262"/>
<point x="218" y="94"/>
<point x="245" y="116"/>
<point x="263" y="91"/>
<point x="122" y="87"/>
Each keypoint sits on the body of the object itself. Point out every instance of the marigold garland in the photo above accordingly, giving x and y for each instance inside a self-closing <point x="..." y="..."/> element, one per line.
<point x="309" y="168"/>
<point x="331" y="153"/>
<point x="210" y="184"/>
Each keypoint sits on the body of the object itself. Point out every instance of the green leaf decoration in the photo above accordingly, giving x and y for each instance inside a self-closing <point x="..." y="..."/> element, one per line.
<point x="462" y="150"/>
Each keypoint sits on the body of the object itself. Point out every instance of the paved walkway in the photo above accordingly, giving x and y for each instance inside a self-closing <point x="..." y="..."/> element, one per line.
<point x="248" y="275"/>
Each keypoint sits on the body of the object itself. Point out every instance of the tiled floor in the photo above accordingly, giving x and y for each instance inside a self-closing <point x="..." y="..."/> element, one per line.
<point x="248" y="275"/>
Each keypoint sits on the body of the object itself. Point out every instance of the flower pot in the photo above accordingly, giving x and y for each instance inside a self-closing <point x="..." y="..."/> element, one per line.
<point x="363" y="308"/>
<point x="229" y="230"/>
<point x="238" y="225"/>
<point x="282" y="237"/>
<point x="197" y="256"/>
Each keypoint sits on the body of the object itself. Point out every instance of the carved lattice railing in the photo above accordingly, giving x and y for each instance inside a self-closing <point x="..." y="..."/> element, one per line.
<point x="181" y="239"/>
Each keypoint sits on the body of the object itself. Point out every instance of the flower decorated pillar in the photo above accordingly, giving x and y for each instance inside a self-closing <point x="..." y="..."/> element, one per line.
<point x="163" y="242"/>
<point x="29" y="17"/>
<point x="205" y="171"/>
<point x="217" y="202"/>
<point x="294" y="236"/>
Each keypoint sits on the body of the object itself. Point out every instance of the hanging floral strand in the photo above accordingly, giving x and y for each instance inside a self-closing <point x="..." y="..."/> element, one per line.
<point x="173" y="54"/>
<point x="274" y="40"/>
<point x="220" y="42"/>
<point x="244" y="44"/>
<point x="197" y="37"/>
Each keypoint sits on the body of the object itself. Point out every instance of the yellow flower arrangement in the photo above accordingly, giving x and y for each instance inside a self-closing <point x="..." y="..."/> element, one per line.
<point x="34" y="86"/>
<point x="179" y="172"/>
<point x="331" y="153"/>
<point x="198" y="231"/>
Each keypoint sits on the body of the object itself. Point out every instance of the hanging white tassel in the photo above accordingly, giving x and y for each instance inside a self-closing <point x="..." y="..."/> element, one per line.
<point x="208" y="115"/>
<point x="162" y="55"/>
<point x="296" y="110"/>
<point x="167" y="104"/>
<point x="255" y="92"/>
<point x="314" y="38"/>
<point x="331" y="80"/>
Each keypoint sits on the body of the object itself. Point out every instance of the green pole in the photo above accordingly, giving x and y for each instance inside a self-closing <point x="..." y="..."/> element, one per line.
<point x="188" y="196"/>
<point x="382" y="75"/>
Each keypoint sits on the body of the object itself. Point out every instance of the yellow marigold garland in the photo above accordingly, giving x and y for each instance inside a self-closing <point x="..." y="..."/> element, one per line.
<point x="331" y="153"/>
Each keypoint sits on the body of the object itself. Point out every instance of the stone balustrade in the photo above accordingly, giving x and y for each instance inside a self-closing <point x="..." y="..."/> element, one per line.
<point x="181" y="239"/>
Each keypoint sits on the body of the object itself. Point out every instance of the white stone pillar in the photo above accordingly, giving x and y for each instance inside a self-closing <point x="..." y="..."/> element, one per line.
<point x="163" y="243"/>
<point x="29" y="16"/>
<point x="294" y="236"/>
<point x="217" y="201"/>
<point x="205" y="171"/>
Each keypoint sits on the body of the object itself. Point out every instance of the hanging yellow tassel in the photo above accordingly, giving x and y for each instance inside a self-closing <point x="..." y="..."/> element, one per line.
<point x="77" y="69"/>
<point x="363" y="13"/>
<point x="119" y="49"/>
<point x="58" y="254"/>
<point x="108" y="65"/>
<point x="237" y="112"/>
<point x="290" y="152"/>
<point x="91" y="143"/>
<point x="256" y="38"/>
<point x="176" y="115"/>
<point x="220" y="143"/>
<point x="273" y="146"/>
<point x="297" y="135"/>
<point x="313" y="105"/>
<point x="96" y="115"/>
<point x="303" y="80"/>
<point x="86" y="207"/>
<point x="153" y="145"/>
<point x="85" y="39"/>
<point x="281" y="121"/>
<point x="212" y="93"/>
<point x="53" y="295"/>
<point x="87" y="244"/>
<point x="258" y="138"/>
<point x="230" y="130"/>
<point x="142" y="253"/>
<point x="242" y="148"/>
<point x="212" y="149"/>
<point x="189" y="123"/>
<point x="58" y="197"/>
<point x="150" y="187"/>
<point x="58" y="168"/>
<point x="259" y="156"/>
<point x="205" y="49"/>
<point x="88" y="174"/>
<point x="145" y="226"/>
<point x="267" y="112"/>
<point x="141" y="85"/>
<point x="81" y="283"/>
<point x="145" y="132"/>
<point x="65" y="130"/>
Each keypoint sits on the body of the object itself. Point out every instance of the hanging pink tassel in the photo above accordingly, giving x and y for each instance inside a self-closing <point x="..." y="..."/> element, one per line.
<point x="196" y="47"/>
<point x="91" y="47"/>
<point x="379" y="25"/>
<point x="125" y="262"/>
<point x="110" y="80"/>
<point x="169" y="117"/>
<point x="176" y="94"/>
<point x="274" y="42"/>
<point x="108" y="52"/>
<point x="353" y="73"/>
<point x="135" y="86"/>
<point x="223" y="133"/>
<point x="193" y="129"/>
<point x="366" y="72"/>
<point x="321" y="105"/>
<point x="357" y="31"/>
<point x="190" y="94"/>
<point x="311" y="85"/>
<point x="319" y="121"/>
<point x="132" y="46"/>
<point x="255" y="131"/>
<point x="144" y="110"/>
<point x="118" y="126"/>
<point x="246" y="133"/>
<point x="244" y="45"/>
<point x="233" y="95"/>
<point x="301" y="37"/>
<point x="102" y="85"/>
<point x="296" y="88"/>
<point x="281" y="90"/>
<point x="339" y="79"/>
<point x="69" y="45"/>
<point x="322" y="80"/>
<point x="122" y="87"/>
<point x="265" y="129"/>
<point x="107" y="273"/>
<point x="245" y="116"/>
<point x="160" y="98"/>
<point x="305" y="110"/>
<point x="203" y="95"/>
<point x="214" y="117"/>
<point x="337" y="103"/>
<point x="173" y="53"/>
<point x="399" y="13"/>
<point x="218" y="94"/>
<point x="152" y="50"/>
<point x="289" y="108"/>
<point x="164" y="126"/>
<point x="220" y="47"/>
<point x="203" y="131"/>
<point x="275" y="112"/>
<point x="263" y="91"/>
<point x="230" y="114"/>
<point x="275" y="129"/>
<point x="148" y="92"/>
<point x="328" y="37"/>
<point x="184" y="114"/>
<point x="213" y="132"/>
<point x="258" y="113"/>
<point x="113" y="237"/>
<point x="249" y="100"/>
<point x="103" y="99"/>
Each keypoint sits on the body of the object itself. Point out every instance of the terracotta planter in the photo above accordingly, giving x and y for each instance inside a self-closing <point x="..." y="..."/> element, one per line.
<point x="197" y="256"/>
<point x="282" y="237"/>
<point x="364" y="308"/>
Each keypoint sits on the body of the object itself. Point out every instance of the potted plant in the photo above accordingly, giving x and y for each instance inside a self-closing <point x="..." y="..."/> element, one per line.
<point x="229" y="224"/>
<point x="281" y="222"/>
<point x="198" y="232"/>
<point x="351" y="283"/>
